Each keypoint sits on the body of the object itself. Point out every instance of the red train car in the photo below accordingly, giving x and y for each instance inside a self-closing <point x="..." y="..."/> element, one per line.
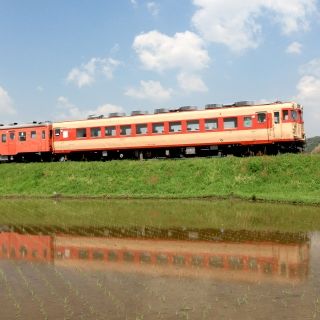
<point x="26" y="247"/>
<point x="21" y="142"/>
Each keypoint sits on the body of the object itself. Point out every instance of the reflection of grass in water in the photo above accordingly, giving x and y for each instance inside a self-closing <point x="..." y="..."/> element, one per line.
<point x="224" y="214"/>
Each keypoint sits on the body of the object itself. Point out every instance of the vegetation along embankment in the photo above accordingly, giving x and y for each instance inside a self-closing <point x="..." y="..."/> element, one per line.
<point x="287" y="178"/>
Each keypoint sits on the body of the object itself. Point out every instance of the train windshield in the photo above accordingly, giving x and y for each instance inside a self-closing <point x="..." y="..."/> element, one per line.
<point x="294" y="115"/>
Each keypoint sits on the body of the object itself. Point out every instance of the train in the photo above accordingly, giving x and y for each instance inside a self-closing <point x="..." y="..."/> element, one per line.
<point x="240" y="129"/>
<point x="208" y="253"/>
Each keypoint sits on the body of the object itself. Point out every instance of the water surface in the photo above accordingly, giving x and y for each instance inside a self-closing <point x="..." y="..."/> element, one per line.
<point x="158" y="260"/>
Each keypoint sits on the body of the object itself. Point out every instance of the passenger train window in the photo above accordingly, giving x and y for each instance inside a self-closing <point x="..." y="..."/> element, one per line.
<point x="285" y="115"/>
<point x="95" y="132"/>
<point x="33" y="134"/>
<point x="4" y="138"/>
<point x="125" y="130"/>
<point x="276" y="117"/>
<point x="110" y="131"/>
<point x="81" y="133"/>
<point x="57" y="132"/>
<point x="211" y="124"/>
<point x="22" y="136"/>
<point x="230" y="123"/>
<point x="141" y="128"/>
<point x="193" y="125"/>
<point x="12" y="135"/>
<point x="158" y="127"/>
<point x="175" y="126"/>
<point x="262" y="117"/>
<point x="247" y="122"/>
<point x="43" y="134"/>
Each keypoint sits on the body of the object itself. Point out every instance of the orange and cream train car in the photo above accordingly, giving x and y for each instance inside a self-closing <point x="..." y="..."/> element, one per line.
<point x="247" y="261"/>
<point x="240" y="129"/>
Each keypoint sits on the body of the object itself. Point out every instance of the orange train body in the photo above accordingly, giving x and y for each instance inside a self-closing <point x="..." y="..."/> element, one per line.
<point x="238" y="130"/>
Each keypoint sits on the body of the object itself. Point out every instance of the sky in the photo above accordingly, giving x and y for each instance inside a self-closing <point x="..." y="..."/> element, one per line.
<point x="66" y="59"/>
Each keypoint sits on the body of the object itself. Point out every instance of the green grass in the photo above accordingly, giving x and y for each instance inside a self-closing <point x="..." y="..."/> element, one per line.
<point x="223" y="214"/>
<point x="292" y="178"/>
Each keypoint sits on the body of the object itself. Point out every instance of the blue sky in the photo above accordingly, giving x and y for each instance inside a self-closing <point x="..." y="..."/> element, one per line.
<point x="67" y="59"/>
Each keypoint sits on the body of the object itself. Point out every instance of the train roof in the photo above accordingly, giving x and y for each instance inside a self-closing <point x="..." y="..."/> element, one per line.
<point x="188" y="113"/>
<point x="33" y="124"/>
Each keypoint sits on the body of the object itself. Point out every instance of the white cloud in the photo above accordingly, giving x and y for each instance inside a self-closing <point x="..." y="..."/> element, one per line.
<point x="68" y="110"/>
<point x="159" y="52"/>
<point x="311" y="68"/>
<point x="294" y="48"/>
<point x="134" y="2"/>
<point x="86" y="74"/>
<point x="191" y="82"/>
<point x="6" y="103"/>
<point x="153" y="8"/>
<point x="308" y="95"/>
<point x="235" y="23"/>
<point x="39" y="88"/>
<point x="150" y="90"/>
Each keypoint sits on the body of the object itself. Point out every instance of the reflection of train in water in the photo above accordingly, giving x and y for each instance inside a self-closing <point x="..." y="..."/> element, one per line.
<point x="208" y="253"/>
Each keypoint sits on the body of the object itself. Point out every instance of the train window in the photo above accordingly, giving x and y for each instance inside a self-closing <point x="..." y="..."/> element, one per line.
<point x="110" y="131"/>
<point x="125" y="130"/>
<point x="294" y="115"/>
<point x="211" y="124"/>
<point x="43" y="134"/>
<point x="230" y="123"/>
<point x="247" y="122"/>
<point x="4" y="138"/>
<point x="235" y="263"/>
<point x="12" y="135"/>
<point x="81" y="133"/>
<point x="158" y="127"/>
<point x="175" y="126"/>
<point x="57" y="132"/>
<point x="276" y="117"/>
<point x="193" y="125"/>
<point x="95" y="132"/>
<point x="285" y="115"/>
<point x="33" y="134"/>
<point x="22" y="136"/>
<point x="83" y="254"/>
<point x="262" y="117"/>
<point x="141" y="128"/>
<point x="23" y="251"/>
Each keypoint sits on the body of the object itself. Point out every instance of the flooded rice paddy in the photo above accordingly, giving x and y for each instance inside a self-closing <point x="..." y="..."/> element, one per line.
<point x="119" y="259"/>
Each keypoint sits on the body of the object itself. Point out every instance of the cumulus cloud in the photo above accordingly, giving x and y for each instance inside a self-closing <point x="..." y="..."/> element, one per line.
<point x="86" y="74"/>
<point x="294" y="48"/>
<point x="191" y="82"/>
<point x="150" y="90"/>
<point x="159" y="52"/>
<point x="308" y="95"/>
<point x="235" y="23"/>
<point x="6" y="103"/>
<point x="68" y="111"/>
<point x="153" y="8"/>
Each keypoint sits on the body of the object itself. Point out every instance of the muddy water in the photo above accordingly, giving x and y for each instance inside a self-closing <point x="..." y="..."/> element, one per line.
<point x="158" y="271"/>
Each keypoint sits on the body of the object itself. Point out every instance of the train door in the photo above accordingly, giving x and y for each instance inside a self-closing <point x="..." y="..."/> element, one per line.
<point x="12" y="144"/>
<point x="276" y="125"/>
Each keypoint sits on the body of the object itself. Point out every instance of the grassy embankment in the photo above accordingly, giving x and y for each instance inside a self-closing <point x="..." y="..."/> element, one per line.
<point x="288" y="178"/>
